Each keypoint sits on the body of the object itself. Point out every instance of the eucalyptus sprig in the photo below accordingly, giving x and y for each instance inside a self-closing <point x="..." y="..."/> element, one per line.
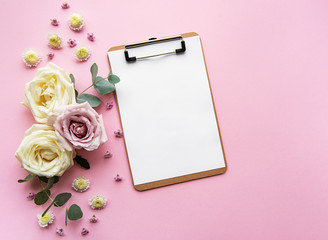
<point x="74" y="212"/>
<point x="102" y="85"/>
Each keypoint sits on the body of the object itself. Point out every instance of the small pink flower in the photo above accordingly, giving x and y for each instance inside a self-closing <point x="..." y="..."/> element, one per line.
<point x="31" y="196"/>
<point x="118" y="133"/>
<point x="91" y="36"/>
<point x="84" y="231"/>
<point x="108" y="155"/>
<point x="109" y="105"/>
<point x="54" y="22"/>
<point x="65" y="5"/>
<point x="59" y="231"/>
<point x="118" y="178"/>
<point x="94" y="219"/>
<point x="71" y="43"/>
<point x="50" y="55"/>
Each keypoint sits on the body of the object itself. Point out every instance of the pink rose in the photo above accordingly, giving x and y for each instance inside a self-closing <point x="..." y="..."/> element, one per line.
<point x="80" y="125"/>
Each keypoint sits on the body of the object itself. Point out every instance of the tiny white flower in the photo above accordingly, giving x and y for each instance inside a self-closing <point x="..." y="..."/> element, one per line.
<point x="55" y="41"/>
<point x="97" y="202"/>
<point x="76" y="21"/>
<point x="82" y="53"/>
<point x="81" y="184"/>
<point x="46" y="220"/>
<point x="31" y="58"/>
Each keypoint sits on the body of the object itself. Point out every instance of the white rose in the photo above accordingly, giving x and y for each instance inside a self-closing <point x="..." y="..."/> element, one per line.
<point x="41" y="154"/>
<point x="50" y="88"/>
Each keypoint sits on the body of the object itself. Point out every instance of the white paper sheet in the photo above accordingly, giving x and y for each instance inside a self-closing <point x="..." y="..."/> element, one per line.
<point x="167" y="112"/>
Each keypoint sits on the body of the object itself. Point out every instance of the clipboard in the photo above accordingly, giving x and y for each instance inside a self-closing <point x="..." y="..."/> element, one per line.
<point x="167" y="113"/>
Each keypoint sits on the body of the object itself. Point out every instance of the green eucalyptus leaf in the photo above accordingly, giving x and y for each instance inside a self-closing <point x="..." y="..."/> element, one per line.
<point x="42" y="197"/>
<point x="66" y="213"/>
<point x="50" y="183"/>
<point x="94" y="71"/>
<point x="82" y="162"/>
<point x="113" y="79"/>
<point x="74" y="212"/>
<point x="103" y="86"/>
<point x="72" y="78"/>
<point x="92" y="100"/>
<point x="76" y="93"/>
<point x="61" y="199"/>
<point x="44" y="179"/>
<point x="27" y="178"/>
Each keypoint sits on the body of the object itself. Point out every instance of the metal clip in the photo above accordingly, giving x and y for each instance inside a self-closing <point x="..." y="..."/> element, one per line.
<point x="154" y="41"/>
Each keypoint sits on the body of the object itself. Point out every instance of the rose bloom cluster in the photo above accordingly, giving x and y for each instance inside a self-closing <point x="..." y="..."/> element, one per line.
<point x="48" y="148"/>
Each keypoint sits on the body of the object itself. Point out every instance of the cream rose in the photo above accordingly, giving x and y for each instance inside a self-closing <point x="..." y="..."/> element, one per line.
<point x="40" y="153"/>
<point x="50" y="88"/>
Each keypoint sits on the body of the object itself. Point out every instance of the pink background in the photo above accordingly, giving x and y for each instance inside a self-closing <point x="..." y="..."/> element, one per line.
<point x="267" y="62"/>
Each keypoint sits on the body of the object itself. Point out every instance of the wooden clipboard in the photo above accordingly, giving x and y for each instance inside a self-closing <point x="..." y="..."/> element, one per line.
<point x="121" y="61"/>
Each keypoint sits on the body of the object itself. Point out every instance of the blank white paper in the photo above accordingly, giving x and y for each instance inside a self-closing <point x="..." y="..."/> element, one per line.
<point x="167" y="112"/>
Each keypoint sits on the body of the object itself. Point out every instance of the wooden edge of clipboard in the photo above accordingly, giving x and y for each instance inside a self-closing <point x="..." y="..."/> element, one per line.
<point x="184" y="178"/>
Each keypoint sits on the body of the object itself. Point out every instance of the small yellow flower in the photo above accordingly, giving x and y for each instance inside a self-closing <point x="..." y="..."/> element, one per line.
<point x="54" y="41"/>
<point x="97" y="202"/>
<point x="76" y="22"/>
<point x="46" y="220"/>
<point x="82" y="53"/>
<point x="81" y="184"/>
<point x="31" y="58"/>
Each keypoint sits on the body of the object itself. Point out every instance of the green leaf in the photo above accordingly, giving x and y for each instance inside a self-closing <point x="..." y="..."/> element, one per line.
<point x="50" y="183"/>
<point x="76" y="93"/>
<point x="82" y="162"/>
<point x="103" y="86"/>
<point x="27" y="178"/>
<point x="61" y="199"/>
<point x="42" y="197"/>
<point x="92" y="100"/>
<point x="66" y="213"/>
<point x="113" y="79"/>
<point x="94" y="71"/>
<point x="72" y="78"/>
<point x="74" y="212"/>
<point x="44" y="179"/>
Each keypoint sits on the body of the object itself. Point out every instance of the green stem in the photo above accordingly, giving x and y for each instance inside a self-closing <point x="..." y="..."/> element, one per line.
<point x="47" y="208"/>
<point x="90" y="87"/>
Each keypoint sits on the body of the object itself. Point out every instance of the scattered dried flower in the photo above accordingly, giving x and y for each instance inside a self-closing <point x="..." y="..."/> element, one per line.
<point x="54" y="22"/>
<point x="46" y="220"/>
<point x="65" y="5"/>
<point x="76" y="22"/>
<point x="54" y="41"/>
<point x="31" y="58"/>
<point x="108" y="155"/>
<point x="82" y="53"/>
<point x="118" y="178"/>
<point x="31" y="196"/>
<point x="84" y="231"/>
<point x="60" y="231"/>
<point x="118" y="133"/>
<point x="81" y="184"/>
<point x="50" y="55"/>
<point x="97" y="202"/>
<point x="93" y="219"/>
<point x="109" y="105"/>
<point x="91" y="36"/>
<point x="71" y="42"/>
